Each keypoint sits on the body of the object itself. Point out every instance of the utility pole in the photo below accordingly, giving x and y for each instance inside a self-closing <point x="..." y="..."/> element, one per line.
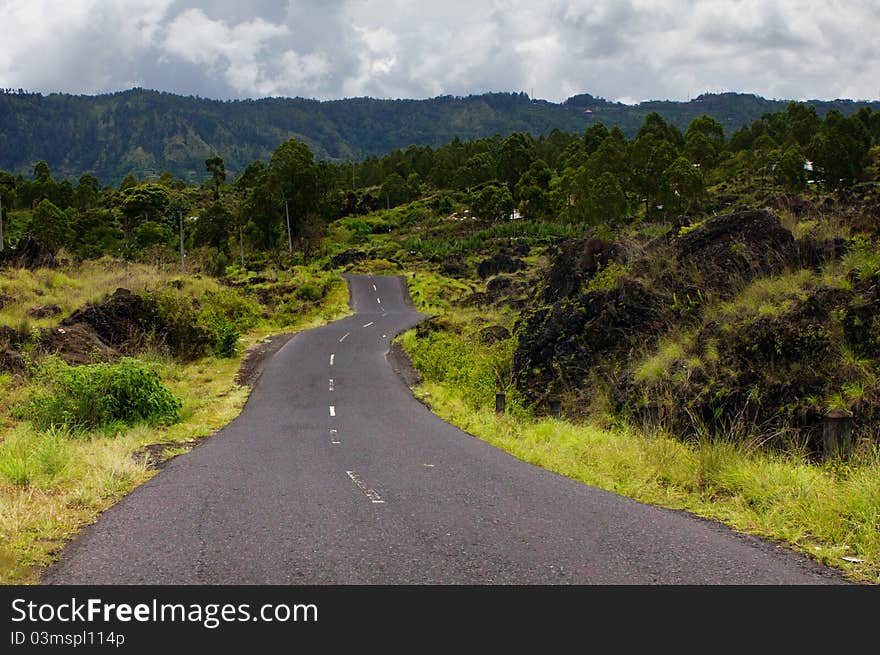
<point x="289" y="237"/>
<point x="1" y="222"/>
<point x="241" y="244"/>
<point x="182" y="253"/>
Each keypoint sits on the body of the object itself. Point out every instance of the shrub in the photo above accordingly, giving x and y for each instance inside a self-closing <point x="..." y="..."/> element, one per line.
<point x="182" y="331"/>
<point x="89" y="397"/>
<point x="311" y="292"/>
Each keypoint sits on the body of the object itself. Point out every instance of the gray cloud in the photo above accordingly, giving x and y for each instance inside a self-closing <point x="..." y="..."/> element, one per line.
<point x="620" y="49"/>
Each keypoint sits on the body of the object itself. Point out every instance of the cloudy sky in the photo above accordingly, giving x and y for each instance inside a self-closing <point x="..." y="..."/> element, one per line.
<point x="627" y="50"/>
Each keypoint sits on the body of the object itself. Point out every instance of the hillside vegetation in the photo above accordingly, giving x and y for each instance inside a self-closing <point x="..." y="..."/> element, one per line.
<point x="146" y="133"/>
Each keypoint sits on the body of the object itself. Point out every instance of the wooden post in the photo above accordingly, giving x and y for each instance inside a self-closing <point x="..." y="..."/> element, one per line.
<point x="500" y="403"/>
<point x="289" y="236"/>
<point x="182" y="252"/>
<point x="554" y="406"/>
<point x="650" y="418"/>
<point x="836" y="433"/>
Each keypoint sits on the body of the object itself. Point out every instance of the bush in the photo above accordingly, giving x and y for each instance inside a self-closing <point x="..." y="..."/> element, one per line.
<point x="181" y="330"/>
<point x="310" y="292"/>
<point x="89" y="397"/>
<point x="193" y="329"/>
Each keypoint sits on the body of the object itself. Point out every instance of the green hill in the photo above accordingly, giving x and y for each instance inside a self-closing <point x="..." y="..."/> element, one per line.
<point x="146" y="132"/>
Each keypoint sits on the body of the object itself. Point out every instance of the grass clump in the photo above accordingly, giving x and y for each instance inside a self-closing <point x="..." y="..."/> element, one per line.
<point x="96" y="395"/>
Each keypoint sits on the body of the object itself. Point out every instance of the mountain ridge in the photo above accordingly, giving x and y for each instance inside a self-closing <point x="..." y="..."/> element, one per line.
<point x="146" y="132"/>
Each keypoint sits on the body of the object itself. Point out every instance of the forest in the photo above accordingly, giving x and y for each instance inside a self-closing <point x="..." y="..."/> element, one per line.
<point x="147" y="132"/>
<point x="599" y="177"/>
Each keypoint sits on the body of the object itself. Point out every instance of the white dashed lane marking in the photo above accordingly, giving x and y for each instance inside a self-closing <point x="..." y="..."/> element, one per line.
<point x="344" y="337"/>
<point x="331" y="384"/>
<point x="374" y="288"/>
<point x="368" y="324"/>
<point x="334" y="438"/>
<point x="332" y="410"/>
<point x="331" y="358"/>
<point x="369" y="493"/>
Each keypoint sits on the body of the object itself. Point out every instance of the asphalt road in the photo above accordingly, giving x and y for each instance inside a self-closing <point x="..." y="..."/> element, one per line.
<point x="334" y="473"/>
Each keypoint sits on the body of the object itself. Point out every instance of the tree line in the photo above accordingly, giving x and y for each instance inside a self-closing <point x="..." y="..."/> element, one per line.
<point x="598" y="176"/>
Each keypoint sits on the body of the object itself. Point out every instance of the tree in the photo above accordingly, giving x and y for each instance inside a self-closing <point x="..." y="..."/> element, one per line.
<point x="49" y="225"/>
<point x="394" y="190"/>
<point x="683" y="187"/>
<point x="650" y="157"/>
<point x="42" y="172"/>
<point x="516" y="155"/>
<point x="294" y="180"/>
<point x="803" y="122"/>
<point x="213" y="227"/>
<point x="142" y="203"/>
<point x="607" y="200"/>
<point x="533" y="190"/>
<point x="88" y="191"/>
<point x="709" y="128"/>
<point x="788" y="169"/>
<point x="217" y="169"/>
<point x="476" y="170"/>
<point x="838" y="150"/>
<point x="700" y="150"/>
<point x="493" y="202"/>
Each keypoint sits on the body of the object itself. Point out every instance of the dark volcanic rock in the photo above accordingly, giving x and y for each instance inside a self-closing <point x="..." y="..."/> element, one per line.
<point x="30" y="254"/>
<point x="348" y="257"/>
<point x="122" y="319"/>
<point x="5" y="299"/>
<point x="76" y="344"/>
<point x="493" y="333"/>
<point x="576" y="261"/>
<point x="742" y="245"/>
<point x="501" y="262"/>
<point x="43" y="311"/>
<point x="455" y="267"/>
<point x="559" y="345"/>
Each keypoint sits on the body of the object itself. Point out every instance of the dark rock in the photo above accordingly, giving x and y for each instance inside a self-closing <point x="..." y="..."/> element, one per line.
<point x="5" y="299"/>
<point x="455" y="267"/>
<point x="501" y="262"/>
<point x="122" y="320"/>
<point x="798" y="206"/>
<point x="520" y="250"/>
<point x="76" y="344"/>
<point x="30" y="254"/>
<point x="575" y="262"/>
<point x="11" y="360"/>
<point x="347" y="258"/>
<point x="560" y="345"/>
<point x="44" y="311"/>
<point x="812" y="253"/>
<point x="493" y="333"/>
<point x="736" y="248"/>
<point x="499" y="285"/>
<point x="11" y="337"/>
<point x="433" y="324"/>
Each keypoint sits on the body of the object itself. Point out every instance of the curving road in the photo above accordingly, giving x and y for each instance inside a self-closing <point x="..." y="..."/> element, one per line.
<point x="334" y="473"/>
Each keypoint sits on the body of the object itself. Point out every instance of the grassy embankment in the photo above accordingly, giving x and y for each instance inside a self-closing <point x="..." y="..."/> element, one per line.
<point x="830" y="511"/>
<point x="56" y="478"/>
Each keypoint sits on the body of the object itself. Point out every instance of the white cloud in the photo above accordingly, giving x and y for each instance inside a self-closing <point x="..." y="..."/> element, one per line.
<point x="634" y="49"/>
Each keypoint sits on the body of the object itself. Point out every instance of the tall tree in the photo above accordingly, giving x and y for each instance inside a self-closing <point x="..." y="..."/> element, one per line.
<point x="217" y="169"/>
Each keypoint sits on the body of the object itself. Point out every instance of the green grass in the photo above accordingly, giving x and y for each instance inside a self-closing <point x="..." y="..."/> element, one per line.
<point x="56" y="480"/>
